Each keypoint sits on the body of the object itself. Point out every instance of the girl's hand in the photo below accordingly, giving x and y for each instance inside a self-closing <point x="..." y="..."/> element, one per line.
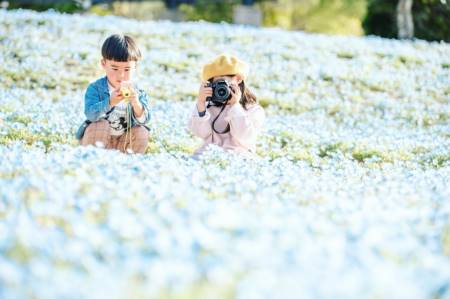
<point x="204" y="92"/>
<point x="115" y="97"/>
<point x="236" y="95"/>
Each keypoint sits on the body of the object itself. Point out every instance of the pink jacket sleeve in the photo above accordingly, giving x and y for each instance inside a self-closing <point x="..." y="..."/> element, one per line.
<point x="200" y="126"/>
<point x="245" y="124"/>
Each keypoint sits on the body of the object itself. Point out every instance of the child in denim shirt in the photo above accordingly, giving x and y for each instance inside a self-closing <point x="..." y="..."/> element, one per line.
<point x="116" y="110"/>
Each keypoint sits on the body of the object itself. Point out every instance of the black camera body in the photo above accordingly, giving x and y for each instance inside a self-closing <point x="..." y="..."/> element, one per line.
<point x="221" y="92"/>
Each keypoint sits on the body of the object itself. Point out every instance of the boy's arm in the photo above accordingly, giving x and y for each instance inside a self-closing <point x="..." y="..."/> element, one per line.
<point x="145" y="117"/>
<point x="94" y="108"/>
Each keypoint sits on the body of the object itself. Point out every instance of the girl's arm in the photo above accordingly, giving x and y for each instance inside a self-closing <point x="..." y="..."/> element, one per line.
<point x="199" y="122"/>
<point x="199" y="125"/>
<point x="245" y="124"/>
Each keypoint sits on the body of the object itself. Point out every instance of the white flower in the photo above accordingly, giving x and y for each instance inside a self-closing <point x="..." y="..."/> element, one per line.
<point x="350" y="189"/>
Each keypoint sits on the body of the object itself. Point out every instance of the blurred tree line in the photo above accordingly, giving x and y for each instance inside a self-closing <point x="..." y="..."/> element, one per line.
<point x="429" y="19"/>
<point x="425" y="19"/>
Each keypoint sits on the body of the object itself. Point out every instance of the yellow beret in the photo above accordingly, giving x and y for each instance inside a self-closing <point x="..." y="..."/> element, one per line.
<point x="223" y="65"/>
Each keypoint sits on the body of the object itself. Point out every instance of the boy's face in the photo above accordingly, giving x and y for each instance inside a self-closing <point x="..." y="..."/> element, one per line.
<point x="118" y="71"/>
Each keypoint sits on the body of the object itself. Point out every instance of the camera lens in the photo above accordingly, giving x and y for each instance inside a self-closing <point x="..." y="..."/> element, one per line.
<point x="222" y="93"/>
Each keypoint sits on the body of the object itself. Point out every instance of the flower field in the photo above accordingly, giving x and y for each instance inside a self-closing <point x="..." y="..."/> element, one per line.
<point x="349" y="197"/>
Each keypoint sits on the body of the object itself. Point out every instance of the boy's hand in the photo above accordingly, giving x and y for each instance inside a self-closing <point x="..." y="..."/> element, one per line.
<point x="204" y="92"/>
<point x="131" y="95"/>
<point x="115" y="97"/>
<point x="133" y="98"/>
<point x="138" y="109"/>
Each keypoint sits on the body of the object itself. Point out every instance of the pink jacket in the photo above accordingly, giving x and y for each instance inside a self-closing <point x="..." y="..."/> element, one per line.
<point x="244" y="127"/>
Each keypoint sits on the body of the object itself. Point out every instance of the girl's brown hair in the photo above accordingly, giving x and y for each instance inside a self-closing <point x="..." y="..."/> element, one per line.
<point x="248" y="97"/>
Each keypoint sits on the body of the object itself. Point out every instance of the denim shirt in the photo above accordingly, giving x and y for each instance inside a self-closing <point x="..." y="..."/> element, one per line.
<point x="96" y="105"/>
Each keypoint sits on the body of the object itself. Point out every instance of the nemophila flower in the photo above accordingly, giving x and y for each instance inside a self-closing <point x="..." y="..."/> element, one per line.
<point x="349" y="190"/>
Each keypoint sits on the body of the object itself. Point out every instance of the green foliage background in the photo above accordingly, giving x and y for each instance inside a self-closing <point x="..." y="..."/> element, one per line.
<point x="325" y="16"/>
<point x="212" y="11"/>
<point x="431" y="19"/>
<point x="349" y="17"/>
<point x="68" y="6"/>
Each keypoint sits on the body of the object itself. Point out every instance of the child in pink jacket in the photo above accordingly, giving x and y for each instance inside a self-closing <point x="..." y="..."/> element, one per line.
<point x="227" y="113"/>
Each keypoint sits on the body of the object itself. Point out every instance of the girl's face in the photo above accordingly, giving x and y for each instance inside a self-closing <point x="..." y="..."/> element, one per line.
<point x="118" y="71"/>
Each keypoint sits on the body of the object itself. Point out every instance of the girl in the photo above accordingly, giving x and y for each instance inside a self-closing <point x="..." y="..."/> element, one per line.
<point x="233" y="123"/>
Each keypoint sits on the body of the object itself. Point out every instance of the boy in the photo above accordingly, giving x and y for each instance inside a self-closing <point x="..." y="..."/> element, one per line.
<point x="117" y="111"/>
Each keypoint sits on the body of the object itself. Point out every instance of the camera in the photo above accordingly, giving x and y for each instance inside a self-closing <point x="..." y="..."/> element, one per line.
<point x="221" y="92"/>
<point x="125" y="89"/>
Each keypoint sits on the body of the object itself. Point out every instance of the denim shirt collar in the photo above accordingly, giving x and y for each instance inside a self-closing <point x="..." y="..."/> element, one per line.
<point x="103" y="85"/>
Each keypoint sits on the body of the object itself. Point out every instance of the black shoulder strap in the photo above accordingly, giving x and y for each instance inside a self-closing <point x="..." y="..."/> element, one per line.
<point x="227" y="129"/>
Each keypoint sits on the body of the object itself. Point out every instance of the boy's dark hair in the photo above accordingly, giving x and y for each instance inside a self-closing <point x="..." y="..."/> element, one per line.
<point x="119" y="47"/>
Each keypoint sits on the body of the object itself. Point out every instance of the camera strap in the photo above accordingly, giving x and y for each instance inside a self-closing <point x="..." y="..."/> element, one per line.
<point x="227" y="129"/>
